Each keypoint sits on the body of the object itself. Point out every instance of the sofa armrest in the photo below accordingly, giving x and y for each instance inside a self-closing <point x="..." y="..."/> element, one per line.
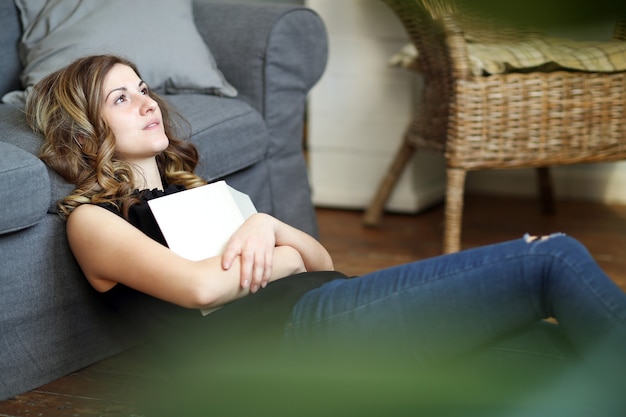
<point x="25" y="191"/>
<point x="272" y="53"/>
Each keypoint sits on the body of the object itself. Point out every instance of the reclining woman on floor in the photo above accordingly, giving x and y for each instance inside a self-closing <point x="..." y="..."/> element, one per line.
<point x="108" y="134"/>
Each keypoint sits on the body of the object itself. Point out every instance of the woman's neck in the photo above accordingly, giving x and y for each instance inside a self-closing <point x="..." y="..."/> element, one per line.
<point x="147" y="176"/>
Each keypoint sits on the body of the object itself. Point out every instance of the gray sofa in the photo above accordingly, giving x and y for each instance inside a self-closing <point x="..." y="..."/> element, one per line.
<point x="51" y="321"/>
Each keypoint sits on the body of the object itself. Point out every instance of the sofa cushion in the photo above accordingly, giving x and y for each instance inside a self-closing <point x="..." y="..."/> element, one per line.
<point x="229" y="133"/>
<point x="25" y="191"/>
<point x="16" y="132"/>
<point x="160" y="36"/>
<point x="546" y="53"/>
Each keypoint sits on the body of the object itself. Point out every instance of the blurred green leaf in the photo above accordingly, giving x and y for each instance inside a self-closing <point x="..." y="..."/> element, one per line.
<point x="550" y="13"/>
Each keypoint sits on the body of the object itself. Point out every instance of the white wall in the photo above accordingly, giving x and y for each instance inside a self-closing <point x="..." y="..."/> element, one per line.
<point x="359" y="110"/>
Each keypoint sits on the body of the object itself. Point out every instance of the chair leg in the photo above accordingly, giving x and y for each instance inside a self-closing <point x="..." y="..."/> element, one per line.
<point x="546" y="193"/>
<point x="377" y="205"/>
<point x="454" y="210"/>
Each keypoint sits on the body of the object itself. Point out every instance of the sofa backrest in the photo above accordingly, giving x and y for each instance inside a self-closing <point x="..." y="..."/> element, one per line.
<point x="10" y="33"/>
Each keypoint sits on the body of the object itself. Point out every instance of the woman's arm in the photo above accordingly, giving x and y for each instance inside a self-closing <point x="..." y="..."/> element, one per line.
<point x="262" y="232"/>
<point x="109" y="250"/>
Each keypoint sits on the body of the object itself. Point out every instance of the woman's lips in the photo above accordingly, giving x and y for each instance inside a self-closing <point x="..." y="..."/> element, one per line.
<point x="152" y="124"/>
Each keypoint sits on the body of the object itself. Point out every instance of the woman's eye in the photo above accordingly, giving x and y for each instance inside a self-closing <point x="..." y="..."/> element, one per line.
<point x="120" y="99"/>
<point x="145" y="91"/>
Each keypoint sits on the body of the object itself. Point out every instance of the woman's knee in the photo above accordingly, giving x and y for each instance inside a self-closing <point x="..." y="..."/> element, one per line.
<point x="542" y="238"/>
<point x="558" y="243"/>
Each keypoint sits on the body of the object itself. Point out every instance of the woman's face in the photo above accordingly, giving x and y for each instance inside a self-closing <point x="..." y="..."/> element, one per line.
<point x="132" y="115"/>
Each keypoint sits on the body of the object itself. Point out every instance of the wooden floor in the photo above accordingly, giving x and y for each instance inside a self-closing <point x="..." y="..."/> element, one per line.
<point x="103" y="389"/>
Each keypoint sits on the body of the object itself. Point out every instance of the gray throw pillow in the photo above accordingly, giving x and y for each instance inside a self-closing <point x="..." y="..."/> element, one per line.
<point x="159" y="36"/>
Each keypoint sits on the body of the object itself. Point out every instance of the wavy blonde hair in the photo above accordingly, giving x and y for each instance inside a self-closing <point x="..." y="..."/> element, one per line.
<point x="65" y="107"/>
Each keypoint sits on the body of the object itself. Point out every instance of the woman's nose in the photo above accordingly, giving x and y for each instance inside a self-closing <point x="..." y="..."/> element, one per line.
<point x="148" y="105"/>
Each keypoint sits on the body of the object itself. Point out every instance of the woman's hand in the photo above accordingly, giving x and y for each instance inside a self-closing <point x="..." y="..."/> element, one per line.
<point x="254" y="243"/>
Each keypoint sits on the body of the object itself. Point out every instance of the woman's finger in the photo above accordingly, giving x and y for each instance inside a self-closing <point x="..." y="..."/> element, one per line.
<point x="229" y="255"/>
<point x="259" y="269"/>
<point x="268" y="268"/>
<point x="247" y="268"/>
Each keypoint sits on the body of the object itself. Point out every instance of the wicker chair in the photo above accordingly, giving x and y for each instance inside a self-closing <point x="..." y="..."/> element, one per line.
<point x="519" y="119"/>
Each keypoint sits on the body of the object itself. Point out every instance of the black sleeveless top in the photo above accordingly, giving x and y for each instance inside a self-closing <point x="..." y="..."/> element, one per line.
<point x="266" y="311"/>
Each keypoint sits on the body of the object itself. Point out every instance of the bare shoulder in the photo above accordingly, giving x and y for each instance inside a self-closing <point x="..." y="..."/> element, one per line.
<point x="90" y="226"/>
<point x="91" y="232"/>
<point x="87" y="214"/>
<point x="107" y="247"/>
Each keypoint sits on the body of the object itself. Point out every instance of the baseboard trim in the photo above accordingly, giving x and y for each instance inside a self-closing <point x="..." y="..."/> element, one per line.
<point x="402" y="203"/>
<point x="603" y="183"/>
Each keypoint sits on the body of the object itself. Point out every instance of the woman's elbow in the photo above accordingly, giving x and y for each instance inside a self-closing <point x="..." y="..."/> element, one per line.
<point x="330" y="266"/>
<point x="328" y="263"/>
<point x="323" y="263"/>
<point x="212" y="288"/>
<point x="206" y="296"/>
<point x="198" y="298"/>
<point x="203" y="299"/>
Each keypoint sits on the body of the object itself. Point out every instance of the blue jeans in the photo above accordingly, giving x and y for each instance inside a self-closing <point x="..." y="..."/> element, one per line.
<point x="492" y="299"/>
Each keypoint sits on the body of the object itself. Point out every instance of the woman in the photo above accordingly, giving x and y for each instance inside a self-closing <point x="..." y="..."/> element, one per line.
<point x="109" y="135"/>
